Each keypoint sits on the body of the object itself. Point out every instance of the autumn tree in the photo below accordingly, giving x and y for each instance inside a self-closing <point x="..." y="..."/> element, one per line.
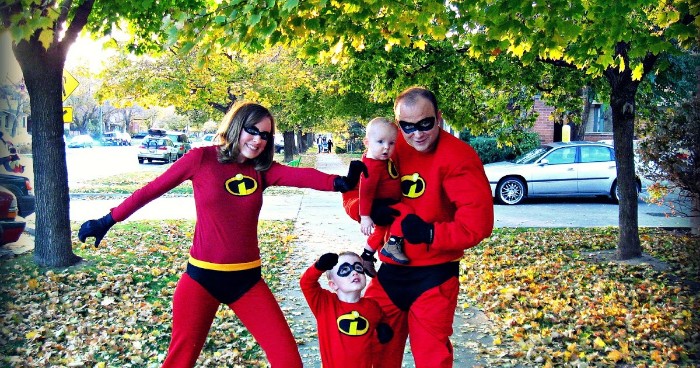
<point x="619" y="42"/>
<point x="42" y="33"/>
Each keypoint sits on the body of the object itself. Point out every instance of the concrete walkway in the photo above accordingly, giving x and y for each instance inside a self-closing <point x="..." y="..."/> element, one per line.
<point x="322" y="226"/>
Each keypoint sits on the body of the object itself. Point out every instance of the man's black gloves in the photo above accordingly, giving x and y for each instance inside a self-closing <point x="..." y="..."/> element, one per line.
<point x="415" y="230"/>
<point x="368" y="263"/>
<point x="97" y="228"/>
<point x="381" y="213"/>
<point x="326" y="262"/>
<point x="345" y="183"/>
<point x="384" y="332"/>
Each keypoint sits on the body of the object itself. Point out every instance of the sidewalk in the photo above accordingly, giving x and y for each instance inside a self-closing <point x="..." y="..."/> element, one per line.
<point x="322" y="226"/>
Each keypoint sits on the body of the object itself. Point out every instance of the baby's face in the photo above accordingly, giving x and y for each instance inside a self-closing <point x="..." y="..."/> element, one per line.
<point x="348" y="274"/>
<point x="381" y="141"/>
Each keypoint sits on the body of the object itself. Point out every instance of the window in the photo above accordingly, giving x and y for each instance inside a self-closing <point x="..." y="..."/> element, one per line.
<point x="599" y="119"/>
<point x="595" y="154"/>
<point x="566" y="155"/>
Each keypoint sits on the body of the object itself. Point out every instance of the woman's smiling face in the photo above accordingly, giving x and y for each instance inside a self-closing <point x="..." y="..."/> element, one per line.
<point x="252" y="145"/>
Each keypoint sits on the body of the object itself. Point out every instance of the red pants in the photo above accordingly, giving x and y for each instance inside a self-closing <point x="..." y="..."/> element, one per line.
<point x="428" y="321"/>
<point x="194" y="310"/>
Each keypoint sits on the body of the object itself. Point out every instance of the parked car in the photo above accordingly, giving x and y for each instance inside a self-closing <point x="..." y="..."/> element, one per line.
<point x="207" y="140"/>
<point x="157" y="149"/>
<point x="124" y="138"/>
<point x="139" y="135"/>
<point x="557" y="169"/>
<point x="110" y="139"/>
<point x="81" y="141"/>
<point x="10" y="228"/>
<point x="182" y="143"/>
<point x="22" y="188"/>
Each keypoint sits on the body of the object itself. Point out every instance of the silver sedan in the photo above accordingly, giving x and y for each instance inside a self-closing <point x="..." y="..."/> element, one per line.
<point x="556" y="169"/>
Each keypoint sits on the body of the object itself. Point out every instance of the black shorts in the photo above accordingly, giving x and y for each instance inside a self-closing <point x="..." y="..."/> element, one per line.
<point x="225" y="286"/>
<point x="404" y="284"/>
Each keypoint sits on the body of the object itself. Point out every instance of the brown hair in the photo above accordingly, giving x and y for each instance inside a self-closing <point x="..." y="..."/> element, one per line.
<point x="239" y="115"/>
<point x="412" y="94"/>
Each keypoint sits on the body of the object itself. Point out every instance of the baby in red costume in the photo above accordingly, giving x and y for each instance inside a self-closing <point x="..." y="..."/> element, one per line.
<point x="224" y="264"/>
<point x="346" y="321"/>
<point x="382" y="183"/>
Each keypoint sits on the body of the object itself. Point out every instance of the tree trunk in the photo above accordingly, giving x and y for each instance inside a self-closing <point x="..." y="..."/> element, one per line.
<point x="622" y="103"/>
<point x="288" y="146"/>
<point x="300" y="142"/>
<point x="43" y="75"/>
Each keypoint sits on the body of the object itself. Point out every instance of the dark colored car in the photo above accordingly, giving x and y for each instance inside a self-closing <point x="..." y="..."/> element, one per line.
<point x="22" y="188"/>
<point x="10" y="228"/>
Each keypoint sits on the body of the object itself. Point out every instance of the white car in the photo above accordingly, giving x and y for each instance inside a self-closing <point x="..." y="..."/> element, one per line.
<point x="556" y="170"/>
<point x="157" y="149"/>
<point x="207" y="140"/>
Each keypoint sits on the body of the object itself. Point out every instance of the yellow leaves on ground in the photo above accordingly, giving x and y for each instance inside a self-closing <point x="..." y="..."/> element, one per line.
<point x="114" y="310"/>
<point x="556" y="300"/>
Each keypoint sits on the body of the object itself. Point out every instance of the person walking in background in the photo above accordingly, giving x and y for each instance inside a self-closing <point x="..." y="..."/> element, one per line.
<point x="330" y="145"/>
<point x="224" y="264"/>
<point x="347" y="323"/>
<point x="382" y="183"/>
<point x="443" y="181"/>
<point x="8" y="156"/>
<point x="319" y="143"/>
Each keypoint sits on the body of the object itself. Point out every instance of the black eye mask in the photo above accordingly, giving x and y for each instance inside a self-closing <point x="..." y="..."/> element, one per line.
<point x="346" y="269"/>
<point x="422" y="125"/>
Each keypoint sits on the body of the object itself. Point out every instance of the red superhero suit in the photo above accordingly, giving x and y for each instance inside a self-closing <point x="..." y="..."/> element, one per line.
<point x="381" y="183"/>
<point x="346" y="331"/>
<point x="224" y="264"/>
<point x="446" y="187"/>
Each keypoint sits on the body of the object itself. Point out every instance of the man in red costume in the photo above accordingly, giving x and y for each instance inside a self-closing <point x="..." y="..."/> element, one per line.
<point x="443" y="180"/>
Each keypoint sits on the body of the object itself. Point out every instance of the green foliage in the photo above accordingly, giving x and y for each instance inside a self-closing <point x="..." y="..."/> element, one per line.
<point x="489" y="150"/>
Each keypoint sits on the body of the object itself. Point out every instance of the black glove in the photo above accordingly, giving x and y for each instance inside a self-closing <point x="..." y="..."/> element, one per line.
<point x="345" y="183"/>
<point x="97" y="228"/>
<point x="415" y="230"/>
<point x="384" y="332"/>
<point x="368" y="262"/>
<point x="381" y="213"/>
<point x="326" y="262"/>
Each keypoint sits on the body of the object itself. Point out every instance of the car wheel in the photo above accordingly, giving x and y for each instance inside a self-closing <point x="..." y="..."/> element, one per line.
<point x="615" y="192"/>
<point x="510" y="191"/>
<point x="140" y="160"/>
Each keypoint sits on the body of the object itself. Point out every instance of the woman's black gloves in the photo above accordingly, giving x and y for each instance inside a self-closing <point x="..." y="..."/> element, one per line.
<point x="97" y="228"/>
<point x="345" y="183"/>
<point x="382" y="214"/>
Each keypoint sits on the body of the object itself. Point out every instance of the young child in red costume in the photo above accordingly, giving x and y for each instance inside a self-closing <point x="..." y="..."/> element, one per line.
<point x="382" y="183"/>
<point x="224" y="265"/>
<point x="346" y="321"/>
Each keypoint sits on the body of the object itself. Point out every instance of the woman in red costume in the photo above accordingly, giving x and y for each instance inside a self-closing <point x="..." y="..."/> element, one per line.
<point x="224" y="265"/>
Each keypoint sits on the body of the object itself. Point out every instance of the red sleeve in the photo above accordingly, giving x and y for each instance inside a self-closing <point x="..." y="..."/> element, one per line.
<point x="467" y="187"/>
<point x="369" y="186"/>
<point x="177" y="173"/>
<point x="351" y="204"/>
<point x="313" y="292"/>
<point x="283" y="175"/>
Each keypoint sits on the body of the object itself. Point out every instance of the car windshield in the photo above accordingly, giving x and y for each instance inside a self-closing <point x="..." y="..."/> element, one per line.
<point x="532" y="156"/>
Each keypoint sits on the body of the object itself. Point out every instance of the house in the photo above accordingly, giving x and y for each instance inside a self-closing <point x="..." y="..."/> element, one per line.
<point x="598" y="126"/>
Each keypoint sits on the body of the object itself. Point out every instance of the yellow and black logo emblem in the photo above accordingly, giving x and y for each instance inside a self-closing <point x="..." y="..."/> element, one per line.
<point x="391" y="167"/>
<point x="353" y="324"/>
<point x="241" y="185"/>
<point x="412" y="186"/>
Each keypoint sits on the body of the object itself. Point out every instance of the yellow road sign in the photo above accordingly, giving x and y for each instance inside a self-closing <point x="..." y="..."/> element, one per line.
<point x="67" y="114"/>
<point x="69" y="84"/>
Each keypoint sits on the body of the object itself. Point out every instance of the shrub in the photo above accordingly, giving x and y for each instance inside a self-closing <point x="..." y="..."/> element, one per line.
<point x="488" y="150"/>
